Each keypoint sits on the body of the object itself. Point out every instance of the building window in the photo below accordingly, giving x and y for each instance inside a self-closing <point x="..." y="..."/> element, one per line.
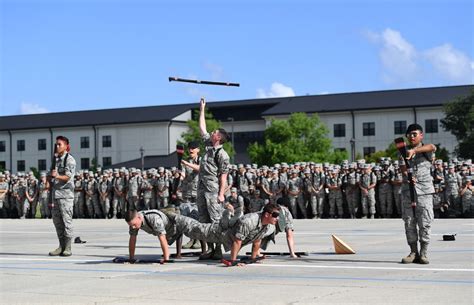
<point x="431" y="126"/>
<point x="20" y="165"/>
<point x="3" y="165"/>
<point x="400" y="127"/>
<point x="369" y="129"/>
<point x="2" y="146"/>
<point x="20" y="145"/>
<point x="84" y="142"/>
<point x="106" y="141"/>
<point x="342" y="149"/>
<point x="41" y="144"/>
<point x="84" y="163"/>
<point x="106" y="161"/>
<point x="339" y="130"/>
<point x="368" y="151"/>
<point x="42" y="165"/>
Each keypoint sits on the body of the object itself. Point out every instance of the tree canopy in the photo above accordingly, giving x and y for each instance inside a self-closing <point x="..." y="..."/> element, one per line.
<point x="300" y="138"/>
<point x="459" y="121"/>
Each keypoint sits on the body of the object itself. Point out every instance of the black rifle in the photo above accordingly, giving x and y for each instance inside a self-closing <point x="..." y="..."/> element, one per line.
<point x="180" y="153"/>
<point x="53" y="167"/>
<point x="202" y="82"/>
<point x="401" y="146"/>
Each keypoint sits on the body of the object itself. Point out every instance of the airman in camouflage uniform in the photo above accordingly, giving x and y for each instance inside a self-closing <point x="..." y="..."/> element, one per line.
<point x="214" y="168"/>
<point x="79" y="204"/>
<point x="63" y="196"/>
<point x="367" y="184"/>
<point x="162" y="189"/>
<point x="43" y="196"/>
<point x="418" y="224"/>
<point x="334" y="183"/>
<point x="3" y="195"/>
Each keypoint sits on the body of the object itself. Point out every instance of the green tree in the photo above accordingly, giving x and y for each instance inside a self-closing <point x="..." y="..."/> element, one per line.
<point x="300" y="138"/>
<point x="391" y="152"/>
<point x="35" y="171"/>
<point x="194" y="134"/>
<point x="459" y="121"/>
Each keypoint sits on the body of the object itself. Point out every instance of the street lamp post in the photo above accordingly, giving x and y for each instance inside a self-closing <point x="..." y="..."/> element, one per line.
<point x="353" y="154"/>
<point x="142" y="153"/>
<point x="231" y="119"/>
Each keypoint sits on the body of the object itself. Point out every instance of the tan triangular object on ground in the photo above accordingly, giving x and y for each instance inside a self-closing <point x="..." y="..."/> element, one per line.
<point x="341" y="247"/>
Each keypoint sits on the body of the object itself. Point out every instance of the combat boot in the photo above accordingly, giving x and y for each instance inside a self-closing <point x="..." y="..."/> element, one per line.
<point x="413" y="256"/>
<point x="59" y="250"/>
<point x="67" y="247"/>
<point x="190" y="244"/>
<point x="217" y="255"/>
<point x="423" y="252"/>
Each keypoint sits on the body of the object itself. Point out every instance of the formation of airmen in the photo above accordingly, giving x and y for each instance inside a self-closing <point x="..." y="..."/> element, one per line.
<point x="312" y="190"/>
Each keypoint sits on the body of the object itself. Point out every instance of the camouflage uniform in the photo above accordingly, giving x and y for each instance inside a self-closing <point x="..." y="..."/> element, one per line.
<point x="351" y="180"/>
<point x="32" y="190"/>
<point x="368" y="200"/>
<point x="90" y="187"/>
<point x="79" y="204"/>
<point x="118" y="183"/>
<point x="385" y="192"/>
<point x="147" y="193"/>
<point x="214" y="163"/>
<point x="3" y="196"/>
<point x="335" y="196"/>
<point x="419" y="226"/>
<point x="157" y="223"/>
<point x="133" y="191"/>
<point x="295" y="186"/>
<point x="63" y="199"/>
<point x="247" y="228"/>
<point x="43" y="199"/>
<point x="162" y="191"/>
<point x="104" y="189"/>
<point x="397" y="189"/>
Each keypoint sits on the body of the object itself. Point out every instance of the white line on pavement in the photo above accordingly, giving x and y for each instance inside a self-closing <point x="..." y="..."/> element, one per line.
<point x="363" y="267"/>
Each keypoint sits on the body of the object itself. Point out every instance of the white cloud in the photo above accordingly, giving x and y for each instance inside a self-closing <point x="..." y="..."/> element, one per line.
<point x="403" y="63"/>
<point x="398" y="57"/>
<point x="450" y="63"/>
<point x="276" y="90"/>
<point x="32" y="108"/>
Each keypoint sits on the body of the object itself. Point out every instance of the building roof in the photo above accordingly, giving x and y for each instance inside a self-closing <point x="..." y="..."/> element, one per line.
<point x="241" y="110"/>
<point x="149" y="162"/>
<point x="93" y="117"/>
<point x="403" y="98"/>
<point x="164" y="113"/>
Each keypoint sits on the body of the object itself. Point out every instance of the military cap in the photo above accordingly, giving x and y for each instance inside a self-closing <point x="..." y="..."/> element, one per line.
<point x="161" y="169"/>
<point x="277" y="165"/>
<point x="284" y="165"/>
<point x="2" y="175"/>
<point x="233" y="190"/>
<point x="241" y="165"/>
<point x="248" y="166"/>
<point x="254" y="165"/>
<point x="307" y="171"/>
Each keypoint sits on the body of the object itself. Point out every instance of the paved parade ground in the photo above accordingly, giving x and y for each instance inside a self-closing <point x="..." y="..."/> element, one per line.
<point x="371" y="276"/>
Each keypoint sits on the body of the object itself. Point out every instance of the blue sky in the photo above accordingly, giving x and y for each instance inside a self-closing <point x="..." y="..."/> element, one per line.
<point x="84" y="54"/>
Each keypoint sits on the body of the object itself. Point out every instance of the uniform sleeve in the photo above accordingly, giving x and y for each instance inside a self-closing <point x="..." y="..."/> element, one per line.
<point x="243" y="229"/>
<point x="223" y="162"/>
<point x="157" y="224"/>
<point x="70" y="168"/>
